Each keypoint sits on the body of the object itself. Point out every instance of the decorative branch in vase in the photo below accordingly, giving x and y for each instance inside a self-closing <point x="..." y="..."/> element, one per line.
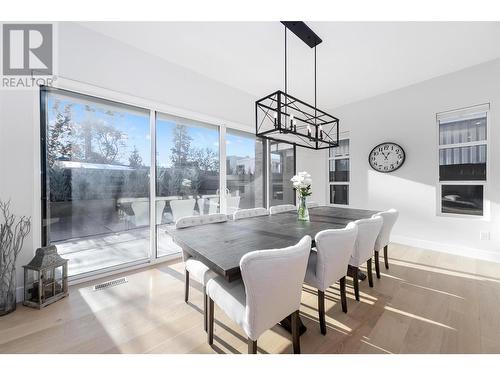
<point x="12" y="234"/>
<point x="302" y="185"/>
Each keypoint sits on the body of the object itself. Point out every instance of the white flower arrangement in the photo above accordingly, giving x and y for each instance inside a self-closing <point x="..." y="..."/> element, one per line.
<point x="302" y="184"/>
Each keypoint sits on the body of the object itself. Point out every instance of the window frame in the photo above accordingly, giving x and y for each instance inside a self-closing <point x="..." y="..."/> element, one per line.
<point x="345" y="136"/>
<point x="459" y="113"/>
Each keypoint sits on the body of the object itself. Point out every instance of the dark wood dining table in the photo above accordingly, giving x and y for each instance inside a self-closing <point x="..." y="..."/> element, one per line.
<point x="221" y="246"/>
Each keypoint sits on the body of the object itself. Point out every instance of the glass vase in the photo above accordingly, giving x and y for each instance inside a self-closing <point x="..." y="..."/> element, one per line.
<point x="302" y="211"/>
<point x="8" y="290"/>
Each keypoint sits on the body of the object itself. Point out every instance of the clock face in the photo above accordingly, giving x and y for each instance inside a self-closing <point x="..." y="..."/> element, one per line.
<point x="387" y="157"/>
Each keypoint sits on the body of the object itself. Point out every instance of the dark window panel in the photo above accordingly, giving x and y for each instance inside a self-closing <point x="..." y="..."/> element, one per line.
<point x="462" y="199"/>
<point x="339" y="194"/>
<point x="339" y="170"/>
<point x="462" y="163"/>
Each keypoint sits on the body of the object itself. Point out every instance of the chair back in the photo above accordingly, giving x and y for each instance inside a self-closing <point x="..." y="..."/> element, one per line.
<point x="368" y="230"/>
<point x="213" y="205"/>
<point x="192" y="221"/>
<point x="282" y="208"/>
<point x="201" y="205"/>
<point x="160" y="207"/>
<point x="273" y="284"/>
<point x="334" y="249"/>
<point x="141" y="213"/>
<point x="250" y="212"/>
<point x="389" y="217"/>
<point x="182" y="208"/>
<point x="233" y="204"/>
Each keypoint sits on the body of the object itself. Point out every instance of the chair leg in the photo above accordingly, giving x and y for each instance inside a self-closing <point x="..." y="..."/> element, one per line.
<point x="343" y="296"/>
<point x="210" y="321"/>
<point x="186" y="286"/>
<point x="321" y="312"/>
<point x="386" y="259"/>
<point x="252" y="346"/>
<point x="296" y="332"/>
<point x="355" y="283"/>
<point x="377" y="265"/>
<point x="369" y="272"/>
<point x="205" y="312"/>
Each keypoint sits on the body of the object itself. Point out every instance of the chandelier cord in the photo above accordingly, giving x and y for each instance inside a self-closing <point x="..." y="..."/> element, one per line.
<point x="285" y="65"/>
<point x="315" y="90"/>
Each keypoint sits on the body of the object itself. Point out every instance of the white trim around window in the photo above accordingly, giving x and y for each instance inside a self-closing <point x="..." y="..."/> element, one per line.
<point x="453" y="116"/>
<point x="343" y="137"/>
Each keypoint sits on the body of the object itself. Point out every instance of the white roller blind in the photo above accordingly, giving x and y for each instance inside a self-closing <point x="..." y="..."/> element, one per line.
<point x="463" y="114"/>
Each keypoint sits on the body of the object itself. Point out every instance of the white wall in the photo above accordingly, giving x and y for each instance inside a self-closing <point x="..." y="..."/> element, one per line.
<point x="408" y="117"/>
<point x="91" y="61"/>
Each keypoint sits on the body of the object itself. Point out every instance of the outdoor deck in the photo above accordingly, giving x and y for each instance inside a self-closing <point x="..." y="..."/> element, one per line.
<point x="93" y="253"/>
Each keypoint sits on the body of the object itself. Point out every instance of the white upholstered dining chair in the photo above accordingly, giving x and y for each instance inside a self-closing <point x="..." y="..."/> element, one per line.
<point x="194" y="268"/>
<point x="182" y="208"/>
<point x="232" y="204"/>
<point x="312" y="204"/>
<point x="328" y="264"/>
<point x="368" y="230"/>
<point x="282" y="208"/>
<point x="270" y="291"/>
<point x="250" y="212"/>
<point x="389" y="217"/>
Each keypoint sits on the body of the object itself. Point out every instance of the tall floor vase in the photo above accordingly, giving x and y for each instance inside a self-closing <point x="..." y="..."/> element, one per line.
<point x="7" y="290"/>
<point x="13" y="231"/>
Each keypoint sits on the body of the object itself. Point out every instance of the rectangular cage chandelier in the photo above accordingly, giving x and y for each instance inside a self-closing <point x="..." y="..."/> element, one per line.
<point x="283" y="118"/>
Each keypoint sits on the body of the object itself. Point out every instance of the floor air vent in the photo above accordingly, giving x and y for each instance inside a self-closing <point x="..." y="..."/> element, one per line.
<point x="110" y="283"/>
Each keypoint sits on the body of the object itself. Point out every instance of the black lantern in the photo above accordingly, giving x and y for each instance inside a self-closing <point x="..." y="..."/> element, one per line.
<point x="45" y="278"/>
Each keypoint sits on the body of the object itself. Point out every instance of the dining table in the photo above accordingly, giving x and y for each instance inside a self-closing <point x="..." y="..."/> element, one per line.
<point x="221" y="246"/>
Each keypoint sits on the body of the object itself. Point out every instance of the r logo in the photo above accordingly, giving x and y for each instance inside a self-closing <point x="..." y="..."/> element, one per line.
<point x="27" y="49"/>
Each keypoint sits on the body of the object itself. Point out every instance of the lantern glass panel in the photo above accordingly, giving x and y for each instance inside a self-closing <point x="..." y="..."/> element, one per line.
<point x="48" y="283"/>
<point x="58" y="279"/>
<point x="31" y="286"/>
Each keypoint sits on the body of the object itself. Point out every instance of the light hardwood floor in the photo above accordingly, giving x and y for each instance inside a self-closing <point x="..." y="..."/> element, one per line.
<point x="427" y="302"/>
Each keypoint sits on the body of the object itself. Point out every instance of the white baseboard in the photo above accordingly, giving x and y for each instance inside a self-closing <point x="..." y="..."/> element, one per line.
<point x="464" y="251"/>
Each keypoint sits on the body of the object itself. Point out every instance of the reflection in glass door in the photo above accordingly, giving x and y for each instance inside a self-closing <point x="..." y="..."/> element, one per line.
<point x="244" y="171"/>
<point x="95" y="184"/>
<point x="187" y="174"/>
<point x="281" y="170"/>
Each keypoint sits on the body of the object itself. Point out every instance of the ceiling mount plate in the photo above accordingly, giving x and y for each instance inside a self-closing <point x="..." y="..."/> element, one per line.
<point x="304" y="32"/>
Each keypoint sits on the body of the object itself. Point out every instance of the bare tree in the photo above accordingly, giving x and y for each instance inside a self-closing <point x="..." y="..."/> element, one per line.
<point x="12" y="235"/>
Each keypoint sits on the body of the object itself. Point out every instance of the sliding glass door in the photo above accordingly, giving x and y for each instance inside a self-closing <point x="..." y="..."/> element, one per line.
<point x="96" y="161"/>
<point x="281" y="170"/>
<point x="244" y="171"/>
<point x="187" y="174"/>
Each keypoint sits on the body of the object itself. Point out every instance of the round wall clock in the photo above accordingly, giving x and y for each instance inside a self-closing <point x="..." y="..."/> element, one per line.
<point x="386" y="157"/>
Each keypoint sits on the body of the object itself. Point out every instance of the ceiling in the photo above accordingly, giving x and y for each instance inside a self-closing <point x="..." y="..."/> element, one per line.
<point x="356" y="60"/>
